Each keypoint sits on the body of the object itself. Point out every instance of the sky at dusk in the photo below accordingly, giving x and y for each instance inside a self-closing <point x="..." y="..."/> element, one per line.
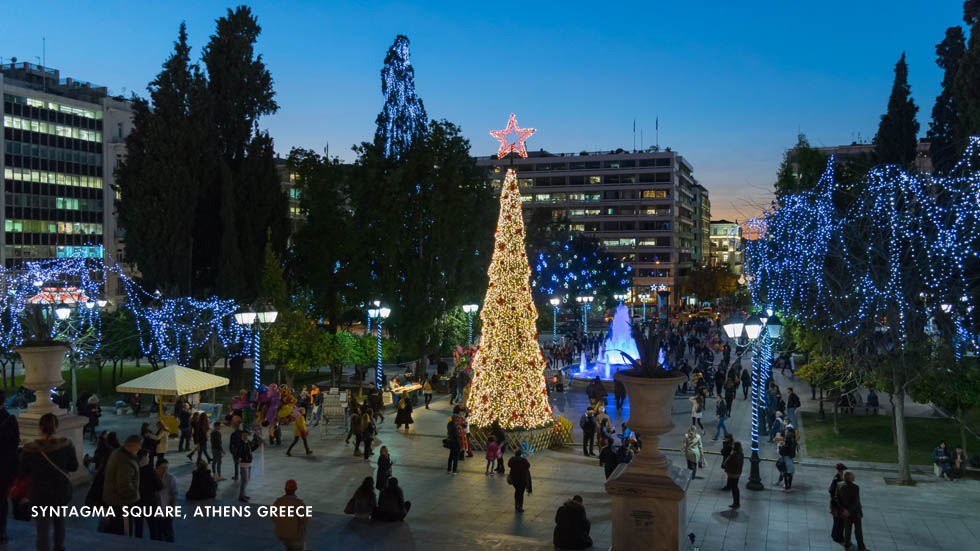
<point x="732" y="83"/>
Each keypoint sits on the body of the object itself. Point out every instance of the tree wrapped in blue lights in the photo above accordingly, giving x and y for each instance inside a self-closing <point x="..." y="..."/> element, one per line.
<point x="879" y="270"/>
<point x="403" y="118"/>
<point x="577" y="265"/>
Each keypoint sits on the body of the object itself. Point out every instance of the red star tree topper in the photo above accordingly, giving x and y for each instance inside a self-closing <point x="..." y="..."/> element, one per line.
<point x="508" y="384"/>
<point x="506" y="146"/>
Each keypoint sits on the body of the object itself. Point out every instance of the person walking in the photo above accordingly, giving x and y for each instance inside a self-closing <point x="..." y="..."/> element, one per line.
<point x="792" y="404"/>
<point x="234" y="441"/>
<point x="746" y="383"/>
<point x="452" y="442"/>
<point x="572" y="526"/>
<point x="619" y="392"/>
<point x="368" y="430"/>
<point x="9" y="442"/>
<point x="697" y="410"/>
<point x="47" y="462"/>
<point x="693" y="451"/>
<point x="837" y="531"/>
<point x="427" y="391"/>
<point x="520" y="478"/>
<point x="200" y="429"/>
<point x="245" y="450"/>
<point x="721" y="410"/>
<point x="501" y="439"/>
<point x="122" y="485"/>
<point x="363" y="503"/>
<point x="404" y="414"/>
<point x="719" y="380"/>
<point x="355" y="429"/>
<point x="299" y="432"/>
<point x="733" y="469"/>
<point x="167" y="496"/>
<point x="217" y="451"/>
<point x="184" y="427"/>
<point x="731" y="387"/>
<point x="849" y="500"/>
<point x="291" y="528"/>
<point x="588" y="425"/>
<point x="384" y="468"/>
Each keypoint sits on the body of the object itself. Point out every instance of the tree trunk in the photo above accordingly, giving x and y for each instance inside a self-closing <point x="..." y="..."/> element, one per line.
<point x="891" y="400"/>
<point x="836" y="427"/>
<point x="959" y="419"/>
<point x="901" y="438"/>
<point x="290" y="377"/>
<point x="235" y="371"/>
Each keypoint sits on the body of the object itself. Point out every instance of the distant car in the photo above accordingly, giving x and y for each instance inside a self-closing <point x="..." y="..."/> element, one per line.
<point x="707" y="312"/>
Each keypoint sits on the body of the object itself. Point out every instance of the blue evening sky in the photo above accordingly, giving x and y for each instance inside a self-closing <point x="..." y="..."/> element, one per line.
<point x="731" y="82"/>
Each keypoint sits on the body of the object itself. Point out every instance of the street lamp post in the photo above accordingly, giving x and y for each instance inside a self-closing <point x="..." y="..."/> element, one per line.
<point x="470" y="309"/>
<point x="63" y="313"/>
<point x="256" y="322"/>
<point x="555" y="301"/>
<point x="768" y="327"/>
<point x="643" y="298"/>
<point x="379" y="314"/>
<point x="376" y="303"/>
<point x="586" y="302"/>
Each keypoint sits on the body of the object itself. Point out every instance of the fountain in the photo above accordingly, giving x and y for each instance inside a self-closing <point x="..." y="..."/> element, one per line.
<point x="617" y="352"/>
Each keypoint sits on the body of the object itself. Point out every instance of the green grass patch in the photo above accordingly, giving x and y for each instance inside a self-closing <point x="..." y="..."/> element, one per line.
<point x="869" y="438"/>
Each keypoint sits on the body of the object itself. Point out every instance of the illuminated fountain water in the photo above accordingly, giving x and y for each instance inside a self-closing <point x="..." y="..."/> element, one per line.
<point x="614" y="353"/>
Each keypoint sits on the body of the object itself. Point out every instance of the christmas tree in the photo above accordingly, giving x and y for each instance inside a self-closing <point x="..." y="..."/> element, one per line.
<point x="403" y="118"/>
<point x="508" y="384"/>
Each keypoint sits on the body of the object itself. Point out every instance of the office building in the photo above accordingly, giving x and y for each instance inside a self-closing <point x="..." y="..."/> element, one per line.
<point x="645" y="207"/>
<point x="726" y="246"/>
<point x="61" y="140"/>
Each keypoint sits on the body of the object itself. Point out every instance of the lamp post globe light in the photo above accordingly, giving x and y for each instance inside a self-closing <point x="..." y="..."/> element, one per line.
<point x="769" y="328"/>
<point x="555" y="301"/>
<point x="643" y="298"/>
<point x="470" y="309"/>
<point x="256" y="322"/>
<point x="586" y="302"/>
<point x="376" y="303"/>
<point x="379" y="314"/>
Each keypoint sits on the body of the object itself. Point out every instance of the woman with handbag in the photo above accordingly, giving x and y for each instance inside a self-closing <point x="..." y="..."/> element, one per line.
<point x="47" y="462"/>
<point x="693" y="451"/>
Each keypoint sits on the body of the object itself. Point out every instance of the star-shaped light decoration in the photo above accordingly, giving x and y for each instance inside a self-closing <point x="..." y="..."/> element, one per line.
<point x="507" y="146"/>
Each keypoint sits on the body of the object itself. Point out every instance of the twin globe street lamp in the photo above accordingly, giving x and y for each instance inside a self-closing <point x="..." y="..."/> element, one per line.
<point x="379" y="314"/>
<point x="256" y="322"/>
<point x="643" y="298"/>
<point x="555" y="301"/>
<point x="769" y="327"/>
<point x="63" y="314"/>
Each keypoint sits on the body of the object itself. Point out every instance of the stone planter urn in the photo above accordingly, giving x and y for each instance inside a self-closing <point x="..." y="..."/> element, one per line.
<point x="647" y="504"/>
<point x="42" y="372"/>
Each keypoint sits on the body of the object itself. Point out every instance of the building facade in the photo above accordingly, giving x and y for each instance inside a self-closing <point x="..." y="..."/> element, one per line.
<point x="61" y="139"/>
<point x="646" y="208"/>
<point x="726" y="246"/>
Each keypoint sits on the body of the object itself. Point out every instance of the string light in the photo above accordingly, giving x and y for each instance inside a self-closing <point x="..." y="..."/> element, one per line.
<point x="574" y="268"/>
<point x="904" y="247"/>
<point x="403" y="117"/>
<point x="508" y="369"/>
<point x="506" y="146"/>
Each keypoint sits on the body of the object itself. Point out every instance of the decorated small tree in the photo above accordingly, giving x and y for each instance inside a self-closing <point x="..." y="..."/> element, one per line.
<point x="508" y="384"/>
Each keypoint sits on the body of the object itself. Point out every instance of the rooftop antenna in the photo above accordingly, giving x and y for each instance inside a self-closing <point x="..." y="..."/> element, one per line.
<point x="326" y="151"/>
<point x="641" y="139"/>
<point x="657" y="126"/>
<point x="634" y="134"/>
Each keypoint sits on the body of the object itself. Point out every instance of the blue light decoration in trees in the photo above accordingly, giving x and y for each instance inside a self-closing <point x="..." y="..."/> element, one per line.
<point x="906" y="245"/>
<point x="578" y="266"/>
<point x="403" y="118"/>
<point x="169" y="328"/>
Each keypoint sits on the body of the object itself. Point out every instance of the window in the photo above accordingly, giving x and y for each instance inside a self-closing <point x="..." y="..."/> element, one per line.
<point x="655" y="194"/>
<point x="583" y="165"/>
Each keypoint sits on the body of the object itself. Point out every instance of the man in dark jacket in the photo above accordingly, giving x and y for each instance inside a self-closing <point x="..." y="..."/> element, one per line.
<point x="184" y="427"/>
<point x="452" y="441"/>
<point x="244" y="453"/>
<point x="746" y="383"/>
<point x="150" y="484"/>
<point x="620" y="393"/>
<point x="520" y="477"/>
<point x="849" y="500"/>
<point x="572" y="526"/>
<point x="719" y="380"/>
<point x="122" y="484"/>
<point x="233" y="442"/>
<point x="9" y="441"/>
<point x="608" y="458"/>
<point x="588" y="425"/>
<point x="837" y="532"/>
<point x="792" y="403"/>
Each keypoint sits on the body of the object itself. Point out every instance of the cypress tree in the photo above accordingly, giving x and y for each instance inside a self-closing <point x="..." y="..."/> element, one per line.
<point x="403" y="118"/>
<point x="896" y="138"/>
<point x="158" y="179"/>
<point x="966" y="88"/>
<point x="942" y="148"/>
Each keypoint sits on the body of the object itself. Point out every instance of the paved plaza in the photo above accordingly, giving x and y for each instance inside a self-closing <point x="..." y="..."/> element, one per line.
<point x="473" y="511"/>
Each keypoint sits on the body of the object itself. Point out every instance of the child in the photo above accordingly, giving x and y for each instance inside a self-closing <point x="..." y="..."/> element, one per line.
<point x="493" y="452"/>
<point x="384" y="468"/>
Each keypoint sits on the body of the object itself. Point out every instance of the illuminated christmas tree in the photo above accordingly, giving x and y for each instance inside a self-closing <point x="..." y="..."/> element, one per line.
<point x="508" y="384"/>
